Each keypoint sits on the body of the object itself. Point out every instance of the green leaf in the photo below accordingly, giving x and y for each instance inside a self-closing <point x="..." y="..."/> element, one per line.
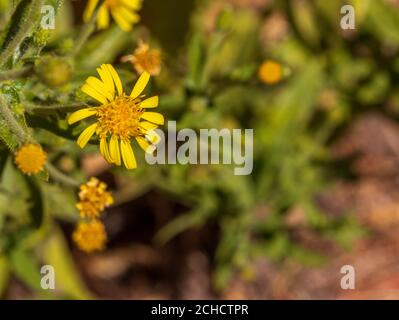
<point x="56" y="195"/>
<point x="36" y="200"/>
<point x="383" y="21"/>
<point x="26" y="268"/>
<point x="307" y="257"/>
<point x="195" y="61"/>
<point x="277" y="247"/>
<point x="4" y="274"/>
<point x="16" y="193"/>
<point x="56" y="253"/>
<point x="103" y="48"/>
<point x="304" y="17"/>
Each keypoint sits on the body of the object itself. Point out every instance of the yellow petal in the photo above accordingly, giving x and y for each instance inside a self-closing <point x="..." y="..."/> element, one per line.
<point x="128" y="15"/>
<point x="153" y="117"/>
<point x="107" y="79"/>
<point x="128" y="156"/>
<point x="115" y="77"/>
<point x="121" y="21"/>
<point x="153" y="137"/>
<point x="140" y="85"/>
<point x="89" y="10"/>
<point x="86" y="135"/>
<point x="143" y="143"/>
<point x="150" y="102"/>
<point x="146" y="126"/>
<point x="132" y="4"/>
<point x="104" y="149"/>
<point x="114" y="150"/>
<point x="100" y="87"/>
<point x="86" y="88"/>
<point x="103" y="18"/>
<point x="81" y="114"/>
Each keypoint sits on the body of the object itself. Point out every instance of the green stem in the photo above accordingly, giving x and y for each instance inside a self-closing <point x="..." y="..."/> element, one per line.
<point x="26" y="25"/>
<point x="13" y="124"/>
<point x="23" y="137"/>
<point x="14" y="74"/>
<point x="54" y="107"/>
<point x="87" y="30"/>
<point x="61" y="177"/>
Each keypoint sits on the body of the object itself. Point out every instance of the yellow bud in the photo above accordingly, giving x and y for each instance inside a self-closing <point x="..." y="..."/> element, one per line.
<point x="270" y="72"/>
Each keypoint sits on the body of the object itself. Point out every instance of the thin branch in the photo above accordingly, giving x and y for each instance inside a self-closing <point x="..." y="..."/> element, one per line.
<point x="87" y="30"/>
<point x="73" y="106"/>
<point x="15" y="74"/>
<point x="61" y="177"/>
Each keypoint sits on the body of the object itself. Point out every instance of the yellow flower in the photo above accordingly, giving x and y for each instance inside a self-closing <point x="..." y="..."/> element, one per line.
<point x="270" y="72"/>
<point x="123" y="12"/>
<point x="120" y="117"/>
<point x="30" y="158"/>
<point x="93" y="198"/>
<point x="90" y="236"/>
<point x="145" y="59"/>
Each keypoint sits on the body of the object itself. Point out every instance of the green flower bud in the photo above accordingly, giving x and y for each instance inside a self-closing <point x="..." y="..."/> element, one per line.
<point x="53" y="71"/>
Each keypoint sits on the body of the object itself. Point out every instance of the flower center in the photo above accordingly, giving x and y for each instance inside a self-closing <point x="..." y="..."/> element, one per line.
<point x="148" y="60"/>
<point x="120" y="117"/>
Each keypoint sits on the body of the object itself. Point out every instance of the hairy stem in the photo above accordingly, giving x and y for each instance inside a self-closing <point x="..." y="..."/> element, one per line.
<point x="23" y="136"/>
<point x="23" y="31"/>
<point x="13" y="124"/>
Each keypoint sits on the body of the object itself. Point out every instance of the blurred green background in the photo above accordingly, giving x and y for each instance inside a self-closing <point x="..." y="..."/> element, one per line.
<point x="325" y="156"/>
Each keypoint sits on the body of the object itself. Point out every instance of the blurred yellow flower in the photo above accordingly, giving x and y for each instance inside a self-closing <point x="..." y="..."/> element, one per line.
<point x="123" y="12"/>
<point x="30" y="158"/>
<point x="120" y="118"/>
<point x="145" y="59"/>
<point x="270" y="72"/>
<point x="93" y="198"/>
<point x="90" y="236"/>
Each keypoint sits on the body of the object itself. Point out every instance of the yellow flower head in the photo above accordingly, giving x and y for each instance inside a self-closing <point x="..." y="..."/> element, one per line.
<point x="93" y="198"/>
<point x="119" y="118"/>
<point x="270" y="72"/>
<point x="90" y="236"/>
<point x="145" y="59"/>
<point x="123" y="12"/>
<point x="30" y="158"/>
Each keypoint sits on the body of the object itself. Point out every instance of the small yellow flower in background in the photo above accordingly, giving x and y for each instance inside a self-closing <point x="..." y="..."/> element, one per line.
<point x="120" y="117"/>
<point x="123" y="12"/>
<point x="30" y="158"/>
<point x="145" y="59"/>
<point x="93" y="198"/>
<point x="90" y="236"/>
<point x="270" y="72"/>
